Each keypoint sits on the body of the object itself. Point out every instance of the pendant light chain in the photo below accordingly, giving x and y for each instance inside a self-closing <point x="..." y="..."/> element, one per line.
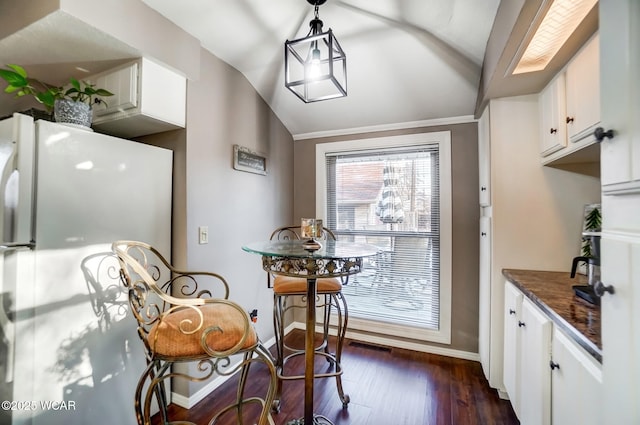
<point x="313" y="29"/>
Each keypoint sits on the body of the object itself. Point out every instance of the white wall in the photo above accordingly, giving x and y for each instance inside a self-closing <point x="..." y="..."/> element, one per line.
<point x="536" y="210"/>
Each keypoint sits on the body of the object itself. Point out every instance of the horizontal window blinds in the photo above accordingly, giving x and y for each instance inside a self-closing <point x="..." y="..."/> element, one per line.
<point x="390" y="198"/>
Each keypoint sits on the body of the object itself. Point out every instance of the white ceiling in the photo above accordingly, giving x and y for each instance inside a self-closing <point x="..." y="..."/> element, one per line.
<point x="407" y="60"/>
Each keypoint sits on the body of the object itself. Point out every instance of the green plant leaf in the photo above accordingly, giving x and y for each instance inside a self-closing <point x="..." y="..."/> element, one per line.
<point x="75" y="83"/>
<point x="13" y="78"/>
<point x="19" y="70"/>
<point x="47" y="98"/>
<point x="103" y="92"/>
<point x="593" y="220"/>
<point x="21" y="85"/>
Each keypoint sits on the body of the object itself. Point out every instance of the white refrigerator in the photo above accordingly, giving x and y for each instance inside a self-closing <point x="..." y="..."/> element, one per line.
<point x="70" y="353"/>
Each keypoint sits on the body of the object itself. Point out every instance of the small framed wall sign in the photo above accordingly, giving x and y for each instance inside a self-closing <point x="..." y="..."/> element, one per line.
<point x="246" y="160"/>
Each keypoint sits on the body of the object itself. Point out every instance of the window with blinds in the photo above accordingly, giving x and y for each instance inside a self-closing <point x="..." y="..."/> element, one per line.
<point x="390" y="197"/>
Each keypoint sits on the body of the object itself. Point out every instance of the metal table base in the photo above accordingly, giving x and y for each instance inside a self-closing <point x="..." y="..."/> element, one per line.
<point x="317" y="420"/>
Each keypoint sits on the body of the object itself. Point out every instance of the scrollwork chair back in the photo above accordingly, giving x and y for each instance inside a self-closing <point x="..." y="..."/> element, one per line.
<point x="186" y="316"/>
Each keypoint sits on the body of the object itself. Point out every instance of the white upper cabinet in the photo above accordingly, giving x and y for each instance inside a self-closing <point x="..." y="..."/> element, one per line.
<point x="621" y="99"/>
<point x="148" y="98"/>
<point x="583" y="91"/>
<point x="570" y="111"/>
<point x="553" y="133"/>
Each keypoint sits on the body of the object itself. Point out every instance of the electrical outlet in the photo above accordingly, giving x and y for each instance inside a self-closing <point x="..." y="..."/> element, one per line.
<point x="203" y="235"/>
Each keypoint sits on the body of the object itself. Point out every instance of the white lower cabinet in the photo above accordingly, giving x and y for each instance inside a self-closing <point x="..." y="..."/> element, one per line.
<point x="576" y="382"/>
<point x="549" y="378"/>
<point x="511" y="362"/>
<point x="535" y="376"/>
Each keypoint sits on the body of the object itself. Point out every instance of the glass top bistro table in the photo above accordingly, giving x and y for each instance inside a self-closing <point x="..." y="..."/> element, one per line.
<point x="298" y="258"/>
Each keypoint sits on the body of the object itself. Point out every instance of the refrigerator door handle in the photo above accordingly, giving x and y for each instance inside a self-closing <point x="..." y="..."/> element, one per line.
<point x="8" y="246"/>
<point x="17" y="180"/>
<point x="7" y="213"/>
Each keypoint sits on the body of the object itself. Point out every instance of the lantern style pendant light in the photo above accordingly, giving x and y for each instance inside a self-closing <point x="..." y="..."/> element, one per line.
<point x="315" y="66"/>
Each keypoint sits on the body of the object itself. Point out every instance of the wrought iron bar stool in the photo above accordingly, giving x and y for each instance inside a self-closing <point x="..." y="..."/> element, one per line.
<point x="330" y="297"/>
<point x="185" y="317"/>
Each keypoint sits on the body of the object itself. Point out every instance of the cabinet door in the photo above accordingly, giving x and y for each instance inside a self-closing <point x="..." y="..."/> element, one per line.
<point x="484" y="330"/>
<point x="535" y="376"/>
<point x="553" y="133"/>
<point x="484" y="158"/>
<point x="620" y="267"/>
<point x="576" y="384"/>
<point x="620" y="56"/>
<point x="621" y="326"/>
<point x="123" y="83"/>
<point x="583" y="91"/>
<point x="511" y="371"/>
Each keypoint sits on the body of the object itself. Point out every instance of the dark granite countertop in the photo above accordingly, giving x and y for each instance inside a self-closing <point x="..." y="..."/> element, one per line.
<point x="552" y="293"/>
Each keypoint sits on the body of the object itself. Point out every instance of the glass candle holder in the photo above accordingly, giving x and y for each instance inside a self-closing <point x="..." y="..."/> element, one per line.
<point x="311" y="229"/>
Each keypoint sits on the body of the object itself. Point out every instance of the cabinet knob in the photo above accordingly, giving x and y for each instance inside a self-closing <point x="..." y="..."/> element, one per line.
<point x="600" y="288"/>
<point x="553" y="130"/>
<point x="483" y="234"/>
<point x="483" y="188"/>
<point x="569" y="120"/>
<point x="600" y="134"/>
<point x="512" y="312"/>
<point x="553" y="365"/>
<point x="521" y="324"/>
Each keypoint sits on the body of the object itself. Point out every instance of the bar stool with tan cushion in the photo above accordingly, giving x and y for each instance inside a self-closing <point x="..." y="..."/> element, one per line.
<point x="289" y="293"/>
<point x="185" y="317"/>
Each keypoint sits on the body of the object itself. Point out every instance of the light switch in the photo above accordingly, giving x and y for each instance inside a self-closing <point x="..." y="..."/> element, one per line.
<point x="203" y="234"/>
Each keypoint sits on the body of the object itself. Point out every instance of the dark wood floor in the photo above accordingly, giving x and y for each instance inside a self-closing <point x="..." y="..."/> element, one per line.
<point x="387" y="386"/>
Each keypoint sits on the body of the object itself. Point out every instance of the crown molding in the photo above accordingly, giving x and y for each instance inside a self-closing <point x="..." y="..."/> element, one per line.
<point x="386" y="127"/>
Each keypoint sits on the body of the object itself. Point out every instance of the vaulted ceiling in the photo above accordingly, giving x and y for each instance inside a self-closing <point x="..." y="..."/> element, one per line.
<point x="407" y="60"/>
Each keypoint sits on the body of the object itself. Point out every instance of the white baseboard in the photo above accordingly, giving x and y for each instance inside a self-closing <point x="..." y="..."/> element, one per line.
<point x="189" y="402"/>
<point x="202" y="393"/>
<point x="392" y="342"/>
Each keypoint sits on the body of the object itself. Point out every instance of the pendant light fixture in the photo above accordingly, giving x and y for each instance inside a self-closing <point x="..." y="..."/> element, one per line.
<point x="315" y="66"/>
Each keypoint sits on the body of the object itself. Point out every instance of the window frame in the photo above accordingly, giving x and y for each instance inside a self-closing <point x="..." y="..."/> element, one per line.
<point x="443" y="140"/>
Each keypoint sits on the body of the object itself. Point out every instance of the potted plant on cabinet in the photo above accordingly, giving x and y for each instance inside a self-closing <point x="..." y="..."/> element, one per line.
<point x="72" y="105"/>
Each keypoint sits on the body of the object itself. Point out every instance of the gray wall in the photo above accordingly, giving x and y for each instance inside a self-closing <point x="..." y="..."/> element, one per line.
<point x="238" y="207"/>
<point x="466" y="216"/>
<point x="223" y="109"/>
